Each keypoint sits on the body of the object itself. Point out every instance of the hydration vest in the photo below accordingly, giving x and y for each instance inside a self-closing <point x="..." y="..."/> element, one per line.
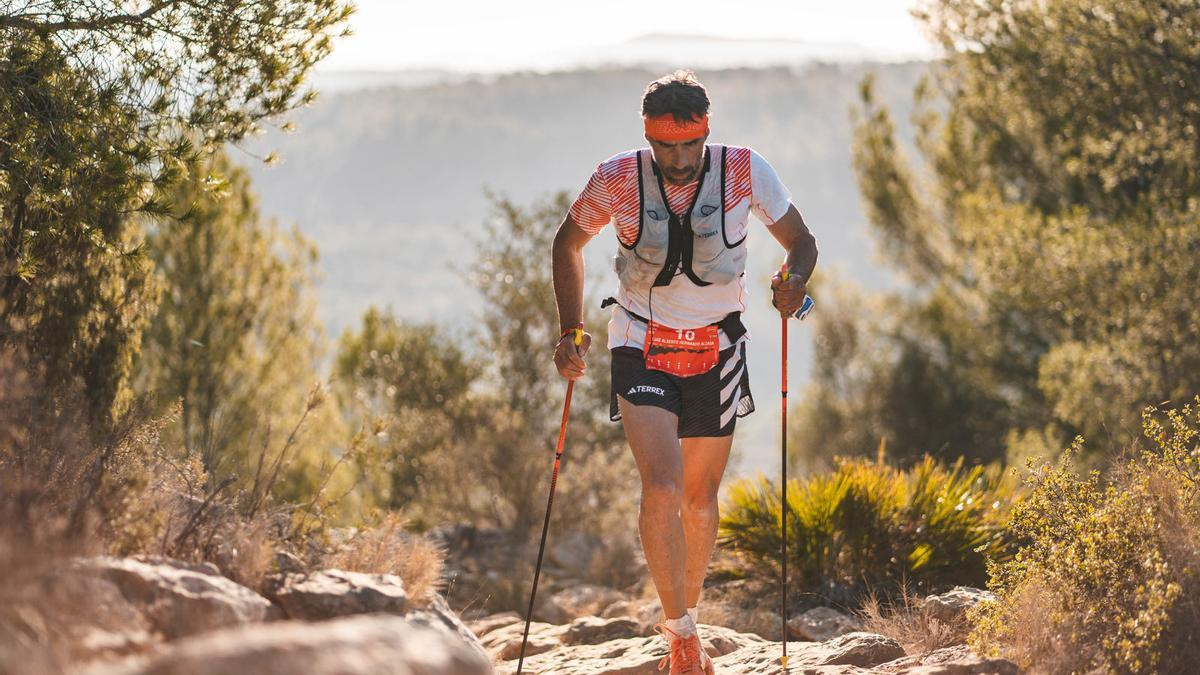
<point x="694" y="242"/>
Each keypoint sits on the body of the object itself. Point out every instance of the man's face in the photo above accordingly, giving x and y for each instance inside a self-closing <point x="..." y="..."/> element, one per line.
<point x="679" y="161"/>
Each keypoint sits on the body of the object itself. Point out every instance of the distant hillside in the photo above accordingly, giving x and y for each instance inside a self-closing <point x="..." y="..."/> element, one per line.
<point x="390" y="182"/>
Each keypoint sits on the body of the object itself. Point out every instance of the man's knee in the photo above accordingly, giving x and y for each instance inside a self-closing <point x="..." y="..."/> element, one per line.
<point x="661" y="490"/>
<point x="700" y="503"/>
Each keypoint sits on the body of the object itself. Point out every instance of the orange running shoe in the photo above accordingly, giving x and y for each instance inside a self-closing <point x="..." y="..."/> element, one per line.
<point x="687" y="657"/>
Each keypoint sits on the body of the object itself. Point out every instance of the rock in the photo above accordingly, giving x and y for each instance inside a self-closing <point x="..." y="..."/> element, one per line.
<point x="820" y="624"/>
<point x="719" y="640"/>
<point x="574" y="602"/>
<point x="573" y="551"/>
<point x="620" y="608"/>
<point x="590" y="630"/>
<point x="288" y="563"/>
<point x="628" y="656"/>
<point x="438" y="616"/>
<point x="177" y="599"/>
<point x="956" y="660"/>
<point x="855" y="649"/>
<point x="487" y="624"/>
<point x="851" y="653"/>
<point x="951" y="607"/>
<point x="737" y="653"/>
<point x="505" y="643"/>
<point x="332" y="593"/>
<point x="361" y="645"/>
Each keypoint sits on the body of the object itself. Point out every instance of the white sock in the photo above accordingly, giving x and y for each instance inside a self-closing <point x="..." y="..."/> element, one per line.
<point x="683" y="626"/>
<point x="694" y="613"/>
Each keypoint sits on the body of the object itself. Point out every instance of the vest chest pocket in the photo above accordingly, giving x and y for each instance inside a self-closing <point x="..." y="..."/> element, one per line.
<point x="713" y="260"/>
<point x="642" y="263"/>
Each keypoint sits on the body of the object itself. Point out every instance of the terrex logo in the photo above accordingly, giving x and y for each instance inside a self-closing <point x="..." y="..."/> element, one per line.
<point x="646" y="389"/>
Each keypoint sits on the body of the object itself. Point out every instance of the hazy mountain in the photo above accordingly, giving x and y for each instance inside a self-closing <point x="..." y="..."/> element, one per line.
<point x="390" y="182"/>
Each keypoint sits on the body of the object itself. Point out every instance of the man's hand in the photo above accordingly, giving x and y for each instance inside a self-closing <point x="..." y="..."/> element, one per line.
<point x="568" y="357"/>
<point x="787" y="296"/>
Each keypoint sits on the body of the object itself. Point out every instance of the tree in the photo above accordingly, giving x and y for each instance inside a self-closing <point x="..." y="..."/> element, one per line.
<point x="1051" y="238"/>
<point x="235" y="336"/>
<point x="473" y="419"/>
<point x="416" y="380"/>
<point x="101" y="107"/>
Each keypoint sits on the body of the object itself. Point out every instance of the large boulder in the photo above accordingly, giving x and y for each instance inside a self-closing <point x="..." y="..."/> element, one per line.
<point x="176" y="599"/>
<point x="331" y="593"/>
<point x="951" y="607"/>
<point x="437" y="615"/>
<point x="852" y="652"/>
<point x="820" y="624"/>
<point x="623" y="656"/>
<point x="361" y="645"/>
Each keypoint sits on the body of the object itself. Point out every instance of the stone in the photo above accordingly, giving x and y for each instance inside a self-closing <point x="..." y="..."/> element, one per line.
<point x="620" y="608"/>
<point x="176" y="598"/>
<point x="504" y="644"/>
<point x="360" y="645"/>
<point x="719" y="640"/>
<point x="438" y="616"/>
<point x="590" y="630"/>
<point x="573" y="551"/>
<point x="628" y="656"/>
<point x="855" y="649"/>
<point x="821" y="623"/>
<point x="951" y="607"/>
<point x="955" y="660"/>
<point x="484" y="625"/>
<point x="332" y="593"/>
<point x="574" y="602"/>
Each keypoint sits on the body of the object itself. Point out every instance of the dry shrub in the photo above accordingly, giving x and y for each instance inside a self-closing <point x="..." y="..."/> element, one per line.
<point x="1106" y="576"/>
<point x="386" y="548"/>
<point x="67" y="489"/>
<point x="909" y="622"/>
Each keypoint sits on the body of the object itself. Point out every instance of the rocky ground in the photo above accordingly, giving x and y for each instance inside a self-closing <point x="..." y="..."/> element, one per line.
<point x="155" y="616"/>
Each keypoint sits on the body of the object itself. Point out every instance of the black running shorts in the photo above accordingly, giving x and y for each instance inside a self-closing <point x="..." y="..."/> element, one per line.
<point x="707" y="405"/>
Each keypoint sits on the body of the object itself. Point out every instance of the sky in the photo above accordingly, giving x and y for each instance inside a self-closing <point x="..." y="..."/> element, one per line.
<point x="493" y="36"/>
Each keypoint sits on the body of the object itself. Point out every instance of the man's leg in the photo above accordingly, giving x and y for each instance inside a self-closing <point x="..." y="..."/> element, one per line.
<point x="704" y="462"/>
<point x="653" y="436"/>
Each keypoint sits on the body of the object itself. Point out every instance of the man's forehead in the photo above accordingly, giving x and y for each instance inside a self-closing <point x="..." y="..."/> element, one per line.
<point x="672" y="144"/>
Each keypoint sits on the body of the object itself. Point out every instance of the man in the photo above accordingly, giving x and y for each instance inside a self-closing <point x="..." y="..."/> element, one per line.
<point x="679" y="379"/>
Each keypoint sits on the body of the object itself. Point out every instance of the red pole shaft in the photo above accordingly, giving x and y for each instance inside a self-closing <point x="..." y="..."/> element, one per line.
<point x="558" y="452"/>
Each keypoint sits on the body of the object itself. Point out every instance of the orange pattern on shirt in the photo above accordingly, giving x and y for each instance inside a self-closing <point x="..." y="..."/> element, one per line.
<point x="612" y="192"/>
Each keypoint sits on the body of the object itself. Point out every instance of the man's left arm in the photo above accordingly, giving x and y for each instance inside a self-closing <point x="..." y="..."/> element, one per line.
<point x="801" y="246"/>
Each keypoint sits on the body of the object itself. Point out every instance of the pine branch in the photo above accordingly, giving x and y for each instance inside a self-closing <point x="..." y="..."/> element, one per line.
<point x="31" y="23"/>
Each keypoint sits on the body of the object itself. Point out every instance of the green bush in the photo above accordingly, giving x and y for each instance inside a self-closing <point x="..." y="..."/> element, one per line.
<point x="867" y="527"/>
<point x="1105" y="576"/>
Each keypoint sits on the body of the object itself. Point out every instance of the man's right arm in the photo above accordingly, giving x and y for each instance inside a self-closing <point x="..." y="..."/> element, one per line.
<point x="568" y="293"/>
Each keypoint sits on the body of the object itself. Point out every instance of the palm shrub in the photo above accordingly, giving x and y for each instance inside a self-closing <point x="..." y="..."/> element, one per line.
<point x="868" y="527"/>
<point x="1107" y="573"/>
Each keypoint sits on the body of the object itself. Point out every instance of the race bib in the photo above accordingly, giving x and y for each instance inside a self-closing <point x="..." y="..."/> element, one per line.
<point x="681" y="351"/>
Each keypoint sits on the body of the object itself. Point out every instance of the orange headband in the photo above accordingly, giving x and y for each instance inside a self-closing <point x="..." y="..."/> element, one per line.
<point x="665" y="128"/>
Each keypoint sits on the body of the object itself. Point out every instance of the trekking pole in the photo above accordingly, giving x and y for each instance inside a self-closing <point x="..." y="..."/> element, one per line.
<point x="805" y="308"/>
<point x="784" y="501"/>
<point x="562" y="435"/>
